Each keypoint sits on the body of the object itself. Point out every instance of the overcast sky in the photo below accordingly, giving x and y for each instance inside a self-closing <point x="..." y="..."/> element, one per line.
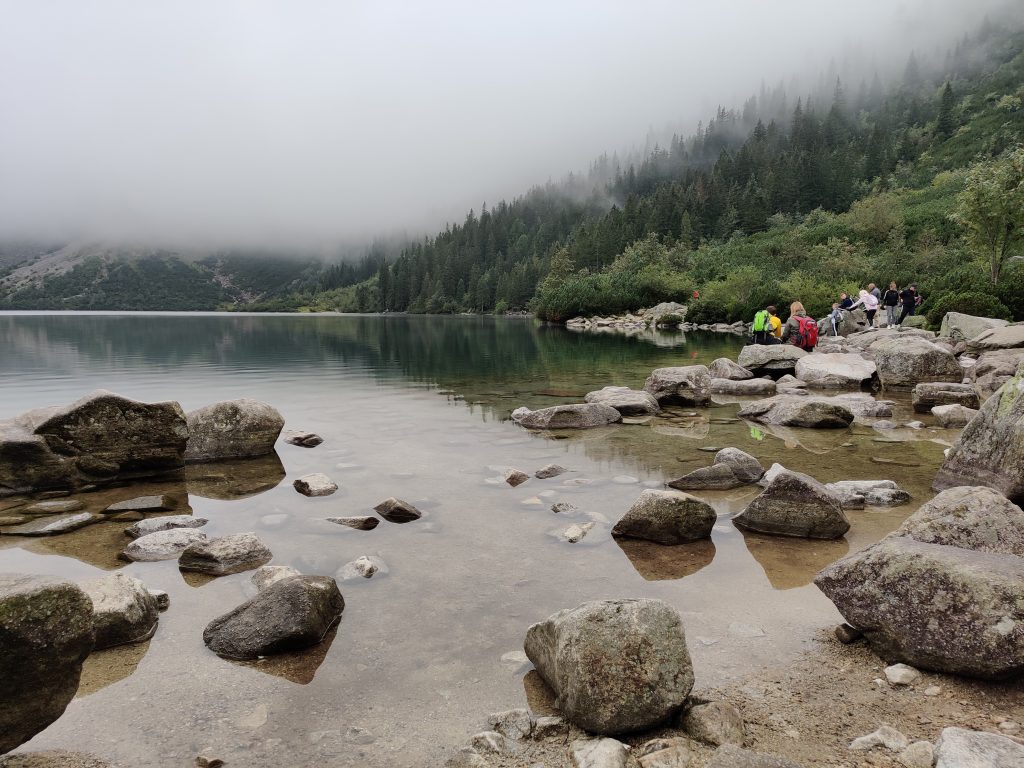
<point x="306" y="122"/>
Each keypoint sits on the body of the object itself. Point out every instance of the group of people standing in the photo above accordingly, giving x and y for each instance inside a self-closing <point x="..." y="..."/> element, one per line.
<point x="802" y="330"/>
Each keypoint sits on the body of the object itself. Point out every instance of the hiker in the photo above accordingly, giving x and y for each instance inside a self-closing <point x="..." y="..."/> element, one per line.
<point x="870" y="304"/>
<point x="776" y="327"/>
<point x="845" y="302"/>
<point x="908" y="297"/>
<point x="763" y="329"/>
<point x="835" y="318"/>
<point x="873" y="290"/>
<point x="800" y="330"/>
<point x="890" y="301"/>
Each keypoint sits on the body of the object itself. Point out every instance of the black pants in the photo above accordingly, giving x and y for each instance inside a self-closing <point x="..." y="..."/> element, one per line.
<point x="907" y="310"/>
<point x="765" y="337"/>
<point x="871" y="315"/>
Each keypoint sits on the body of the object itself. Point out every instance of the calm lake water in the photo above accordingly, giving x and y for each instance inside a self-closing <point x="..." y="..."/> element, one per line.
<point x="418" y="407"/>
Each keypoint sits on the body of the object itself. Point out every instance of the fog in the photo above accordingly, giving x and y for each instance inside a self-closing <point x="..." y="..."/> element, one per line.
<point x="307" y="123"/>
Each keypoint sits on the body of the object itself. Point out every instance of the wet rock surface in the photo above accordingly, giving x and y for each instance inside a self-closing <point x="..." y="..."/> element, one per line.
<point x="628" y="402"/>
<point x="232" y="429"/>
<point x="744" y="466"/>
<point x="717" y="476"/>
<point x="681" y="385"/>
<point x="573" y="416"/>
<point x="616" y="666"/>
<point x="667" y="517"/>
<point x="795" y="504"/>
<point x="290" y="614"/>
<point x="224" y="555"/>
<point x="46" y="632"/>
<point x="123" y="610"/>
<point x="797" y="411"/>
<point x="161" y="545"/>
<point x="143" y="504"/>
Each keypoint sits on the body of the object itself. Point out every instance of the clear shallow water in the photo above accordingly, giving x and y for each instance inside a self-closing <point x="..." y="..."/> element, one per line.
<point x="417" y="407"/>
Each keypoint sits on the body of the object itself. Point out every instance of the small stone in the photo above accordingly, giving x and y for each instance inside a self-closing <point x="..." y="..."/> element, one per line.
<point x="886" y="736"/>
<point x="714" y="723"/>
<point x="919" y="754"/>
<point x="598" y="753"/>
<point x="490" y="742"/>
<point x="366" y="523"/>
<point x="551" y="470"/>
<point x="846" y="634"/>
<point x="1009" y="726"/>
<point x="513" y="723"/>
<point x="303" y="439"/>
<point x="162" y="545"/>
<point x="224" y="555"/>
<point x="514" y="477"/>
<point x="266" y="575"/>
<point x="208" y="762"/>
<point x="163" y="600"/>
<point x="676" y="756"/>
<point x="316" y="484"/>
<point x="363" y="567"/>
<point x="902" y="674"/>
<point x="576" y="531"/>
<point x="397" y="511"/>
<point x="549" y="726"/>
<point x="932" y="690"/>
<point x="564" y="508"/>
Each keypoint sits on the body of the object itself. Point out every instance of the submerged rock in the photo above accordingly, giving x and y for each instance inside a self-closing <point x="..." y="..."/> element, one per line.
<point x="50" y="526"/>
<point x="877" y="493"/>
<point x="667" y="517"/>
<point x="724" y="368"/>
<point x="549" y="471"/>
<point x="681" y="385"/>
<point x="52" y="507"/>
<point x="797" y="505"/>
<point x="232" y="429"/>
<point x="291" y="614"/>
<point x="46" y="632"/>
<point x="168" y="523"/>
<point x="224" y="555"/>
<point x="316" y="484"/>
<point x="143" y="504"/>
<point x="906" y="362"/>
<point x="929" y="394"/>
<point x="616" y="666"/>
<point x="888" y="592"/>
<point x="575" y="416"/>
<point x="990" y="450"/>
<point x="123" y="610"/>
<point x="363" y="523"/>
<point x="515" y="477"/>
<point x="161" y="545"/>
<point x="575" y="532"/>
<point x="397" y="511"/>
<point x="363" y="567"/>
<point x="628" y="402"/>
<point x="838" y="370"/>
<point x="797" y="411"/>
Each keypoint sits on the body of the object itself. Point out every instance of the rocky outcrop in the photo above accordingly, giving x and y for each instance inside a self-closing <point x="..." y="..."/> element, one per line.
<point x="839" y="370"/>
<point x="993" y="369"/>
<point x="232" y="429"/>
<point x="889" y="592"/>
<point x="99" y="439"/>
<point x="906" y="362"/>
<point x="960" y="327"/>
<point x="616" y="666"/>
<point x="990" y="450"/>
<point x="667" y="517"/>
<point x="773" y="359"/>
<point x="628" y="402"/>
<point x="797" y="505"/>
<point x="963" y="748"/>
<point x="224" y="555"/>
<point x="123" y="610"/>
<point x="927" y="395"/>
<point x="574" y="416"/>
<point x="798" y="411"/>
<point x="970" y="517"/>
<point x="953" y="416"/>
<point x="46" y="632"/>
<point x="682" y="385"/>
<point x="724" y="368"/>
<point x="748" y="387"/>
<point x="1008" y="337"/>
<point x="161" y="545"/>
<point x="290" y="614"/>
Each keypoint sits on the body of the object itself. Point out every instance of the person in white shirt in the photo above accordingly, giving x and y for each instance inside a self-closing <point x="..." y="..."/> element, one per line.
<point x="870" y="304"/>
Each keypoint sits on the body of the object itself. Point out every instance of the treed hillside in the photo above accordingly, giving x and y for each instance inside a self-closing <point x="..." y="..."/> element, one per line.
<point x="782" y="200"/>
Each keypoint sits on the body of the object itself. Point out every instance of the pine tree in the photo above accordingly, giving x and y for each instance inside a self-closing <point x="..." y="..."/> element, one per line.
<point x="946" y="124"/>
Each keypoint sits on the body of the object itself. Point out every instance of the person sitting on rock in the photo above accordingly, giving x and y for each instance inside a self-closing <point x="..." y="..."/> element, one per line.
<point x="845" y="302"/>
<point x="763" y="328"/>
<point x="800" y="330"/>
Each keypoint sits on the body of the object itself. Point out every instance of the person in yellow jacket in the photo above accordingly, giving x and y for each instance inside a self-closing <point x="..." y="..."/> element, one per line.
<point x="776" y="325"/>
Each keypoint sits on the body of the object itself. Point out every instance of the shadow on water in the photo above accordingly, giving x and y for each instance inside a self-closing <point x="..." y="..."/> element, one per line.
<point x="790" y="563"/>
<point x="299" y="667"/>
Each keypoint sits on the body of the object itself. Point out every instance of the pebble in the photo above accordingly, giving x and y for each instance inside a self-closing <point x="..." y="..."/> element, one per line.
<point x="551" y="470"/>
<point x="902" y="674"/>
<point x="514" y="477"/>
<point x="886" y="736"/>
<point x="361" y="523"/>
<point x="564" y="507"/>
<point x="549" y="726"/>
<point x="316" y="484"/>
<point x="932" y="690"/>
<point x="576" y="531"/>
<point x="513" y="723"/>
<point x="490" y="742"/>
<point x="846" y="634"/>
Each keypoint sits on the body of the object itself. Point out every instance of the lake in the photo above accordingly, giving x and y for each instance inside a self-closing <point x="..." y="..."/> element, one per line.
<point x="418" y="408"/>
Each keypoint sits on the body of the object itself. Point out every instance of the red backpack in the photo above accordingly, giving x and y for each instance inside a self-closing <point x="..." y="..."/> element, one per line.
<point x="807" y="335"/>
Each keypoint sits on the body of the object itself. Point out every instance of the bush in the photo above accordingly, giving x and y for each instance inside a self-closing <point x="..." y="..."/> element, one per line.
<point x="967" y="302"/>
<point x="1010" y="290"/>
<point x="706" y="310"/>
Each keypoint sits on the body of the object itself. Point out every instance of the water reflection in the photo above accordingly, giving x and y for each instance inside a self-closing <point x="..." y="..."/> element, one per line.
<point x="110" y="665"/>
<point x="661" y="562"/>
<point x="299" y="667"/>
<point x="789" y="563"/>
<point x="241" y="479"/>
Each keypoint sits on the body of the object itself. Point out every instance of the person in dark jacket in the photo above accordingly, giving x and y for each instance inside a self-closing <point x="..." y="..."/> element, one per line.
<point x="890" y="300"/>
<point x="908" y="296"/>
<point x="845" y="302"/>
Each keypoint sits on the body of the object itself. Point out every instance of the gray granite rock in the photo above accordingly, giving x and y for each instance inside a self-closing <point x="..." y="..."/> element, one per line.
<point x="224" y="555"/>
<point x="232" y="429"/>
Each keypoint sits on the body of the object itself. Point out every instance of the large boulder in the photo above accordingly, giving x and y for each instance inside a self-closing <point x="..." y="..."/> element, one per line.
<point x="869" y="338"/>
<point x="798" y="411"/>
<point x="990" y="449"/>
<point x="574" y="416"/>
<point x="934" y="606"/>
<point x="289" y="614"/>
<point x="743" y="465"/>
<point x="46" y="632"/>
<point x="682" y="385"/>
<point x="224" y="555"/>
<point x="839" y="370"/>
<point x="724" y="368"/>
<point x="232" y="429"/>
<point x="774" y="359"/>
<point x="1007" y="337"/>
<point x="796" y="505"/>
<point x="961" y="327"/>
<point x="963" y="748"/>
<point x="628" y="402"/>
<point x="616" y="666"/>
<point x="99" y="439"/>
<point x="929" y="394"/>
<point x="970" y="517"/>
<point x="748" y="387"/>
<point x="993" y="369"/>
<point x="123" y="610"/>
<point x="667" y="517"/>
<point x="905" y="362"/>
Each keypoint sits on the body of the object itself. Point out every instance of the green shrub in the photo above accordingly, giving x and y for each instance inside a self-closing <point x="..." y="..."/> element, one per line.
<point x="967" y="302"/>
<point x="1010" y="290"/>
